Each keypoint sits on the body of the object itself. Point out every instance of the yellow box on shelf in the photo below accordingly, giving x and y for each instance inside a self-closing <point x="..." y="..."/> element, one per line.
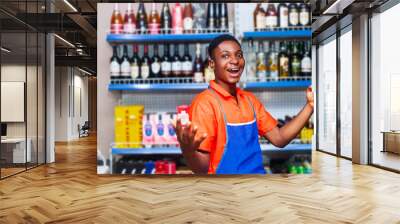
<point x="128" y="126"/>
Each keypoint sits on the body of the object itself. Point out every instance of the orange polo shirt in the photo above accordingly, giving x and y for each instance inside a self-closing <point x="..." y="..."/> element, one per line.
<point x="205" y="113"/>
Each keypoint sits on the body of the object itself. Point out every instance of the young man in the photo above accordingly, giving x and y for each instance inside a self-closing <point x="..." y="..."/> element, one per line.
<point x="222" y="137"/>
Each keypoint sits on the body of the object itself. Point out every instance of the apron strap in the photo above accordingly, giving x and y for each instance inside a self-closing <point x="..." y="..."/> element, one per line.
<point x="222" y="111"/>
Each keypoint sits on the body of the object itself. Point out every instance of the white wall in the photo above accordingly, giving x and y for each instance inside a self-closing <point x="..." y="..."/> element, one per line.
<point x="71" y="93"/>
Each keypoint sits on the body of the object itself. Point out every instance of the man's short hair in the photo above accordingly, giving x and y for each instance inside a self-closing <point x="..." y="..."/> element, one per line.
<point x="219" y="39"/>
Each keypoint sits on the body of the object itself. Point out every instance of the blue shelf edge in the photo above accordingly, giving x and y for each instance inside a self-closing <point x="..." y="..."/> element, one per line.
<point x="202" y="86"/>
<point x="174" y="150"/>
<point x="306" y="33"/>
<point x="129" y="38"/>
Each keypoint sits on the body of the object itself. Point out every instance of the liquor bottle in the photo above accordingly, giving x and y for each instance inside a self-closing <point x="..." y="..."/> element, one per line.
<point x="306" y="62"/>
<point x="283" y="12"/>
<point x="141" y="19"/>
<point x="223" y="17"/>
<point x="259" y="17"/>
<point x="117" y="23"/>
<point x="271" y="16"/>
<point x="115" y="67"/>
<point x="273" y="62"/>
<point x="261" y="66"/>
<point x="208" y="71"/>
<point x="129" y="20"/>
<point x="293" y="14"/>
<point x="251" y="62"/>
<point x="176" y="63"/>
<point x="166" y="19"/>
<point x="217" y="16"/>
<point x="177" y="19"/>
<point x="155" y="68"/>
<point x="188" y="18"/>
<point x="145" y="64"/>
<point x="154" y="20"/>
<point x="199" y="16"/>
<point x="283" y="61"/>
<point x="211" y="17"/>
<point x="125" y="64"/>
<point x="135" y="63"/>
<point x="187" y="64"/>
<point x="295" y="63"/>
<point x="166" y="65"/>
<point x="304" y="15"/>
<point x="198" y="66"/>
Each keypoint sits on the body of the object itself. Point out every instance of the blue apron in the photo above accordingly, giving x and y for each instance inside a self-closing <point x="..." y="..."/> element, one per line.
<point x="242" y="152"/>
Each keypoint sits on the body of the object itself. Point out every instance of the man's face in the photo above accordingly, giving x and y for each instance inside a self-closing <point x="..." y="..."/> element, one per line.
<point x="228" y="62"/>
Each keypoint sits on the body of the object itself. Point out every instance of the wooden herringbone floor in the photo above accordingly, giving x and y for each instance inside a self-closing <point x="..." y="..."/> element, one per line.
<point x="69" y="191"/>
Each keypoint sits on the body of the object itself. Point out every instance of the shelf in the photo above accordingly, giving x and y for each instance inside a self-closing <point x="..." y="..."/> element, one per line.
<point x="155" y="38"/>
<point x="268" y="148"/>
<point x="279" y="34"/>
<point x="286" y="84"/>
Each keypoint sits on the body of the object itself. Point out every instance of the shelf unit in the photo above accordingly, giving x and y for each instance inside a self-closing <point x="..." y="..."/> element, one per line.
<point x="289" y="33"/>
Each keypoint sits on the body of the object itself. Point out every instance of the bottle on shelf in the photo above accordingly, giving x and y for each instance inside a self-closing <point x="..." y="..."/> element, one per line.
<point x="187" y="64"/>
<point x="271" y="16"/>
<point x="166" y="63"/>
<point x="145" y="63"/>
<point x="129" y="20"/>
<point x="283" y="61"/>
<point x="117" y="23"/>
<point x="154" y="20"/>
<point x="306" y="62"/>
<point x="115" y="67"/>
<point x="199" y="15"/>
<point x="188" y="18"/>
<point x="217" y="17"/>
<point x="208" y="71"/>
<point x="223" y="12"/>
<point x="141" y="19"/>
<point x="211" y="17"/>
<point x="295" y="63"/>
<point x="283" y="12"/>
<point x="166" y="19"/>
<point x="261" y="66"/>
<point x="177" y="19"/>
<point x="251" y="62"/>
<point x="125" y="64"/>
<point x="135" y="63"/>
<point x="198" y="66"/>
<point x="273" y="62"/>
<point x="176" y="63"/>
<point x="259" y="17"/>
<point x="304" y="14"/>
<point x="293" y="14"/>
<point x="155" y="68"/>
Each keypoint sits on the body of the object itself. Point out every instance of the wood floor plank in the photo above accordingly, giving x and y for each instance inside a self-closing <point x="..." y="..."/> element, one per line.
<point x="70" y="191"/>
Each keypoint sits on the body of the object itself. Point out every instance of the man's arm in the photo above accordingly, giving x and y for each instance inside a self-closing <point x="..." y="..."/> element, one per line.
<point x="189" y="142"/>
<point x="280" y="137"/>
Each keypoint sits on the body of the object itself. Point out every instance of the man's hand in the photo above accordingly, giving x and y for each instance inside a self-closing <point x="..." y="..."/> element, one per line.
<point x="187" y="136"/>
<point x="310" y="97"/>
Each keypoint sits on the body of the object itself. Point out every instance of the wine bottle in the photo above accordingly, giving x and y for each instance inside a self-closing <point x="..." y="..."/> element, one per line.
<point x="208" y="71"/>
<point x="145" y="64"/>
<point x="273" y="62"/>
<point x="295" y="63"/>
<point x="304" y="15"/>
<point x="135" y="63"/>
<point x="177" y="19"/>
<point x="224" y="17"/>
<point x="283" y="12"/>
<point x="166" y="65"/>
<point x="115" y="66"/>
<point x="198" y="65"/>
<point x="129" y="20"/>
<point x="176" y="63"/>
<point x="166" y="19"/>
<point x="187" y="64"/>
<point x="141" y="19"/>
<point x="271" y="16"/>
<point x="283" y="61"/>
<point x="259" y="17"/>
<point x="155" y="63"/>
<point x="154" y="20"/>
<point x="261" y="66"/>
<point x="293" y="15"/>
<point x="306" y="62"/>
<point x="188" y="18"/>
<point x="211" y="17"/>
<point x="125" y="64"/>
<point x="117" y="23"/>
